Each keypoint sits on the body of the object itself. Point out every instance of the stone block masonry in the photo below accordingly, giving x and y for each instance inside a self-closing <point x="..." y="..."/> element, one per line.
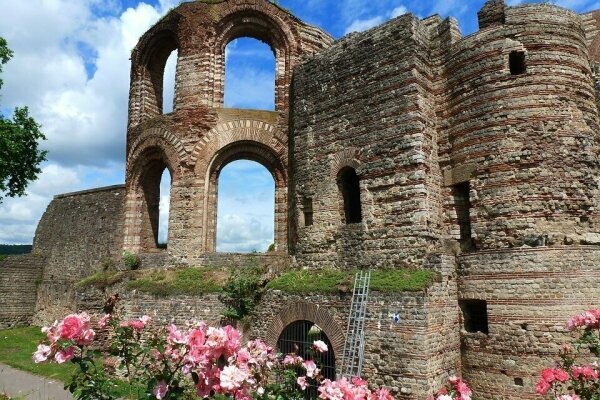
<point x="405" y="146"/>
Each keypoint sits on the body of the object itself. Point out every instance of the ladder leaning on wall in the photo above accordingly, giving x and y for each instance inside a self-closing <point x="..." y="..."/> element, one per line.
<point x="354" y="347"/>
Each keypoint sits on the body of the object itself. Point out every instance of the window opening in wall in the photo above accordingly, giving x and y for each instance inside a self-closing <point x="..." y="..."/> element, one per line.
<point x="462" y="203"/>
<point x="518" y="381"/>
<point x="298" y="337"/>
<point x="516" y="62"/>
<point x="163" y="209"/>
<point x="475" y="315"/>
<point x="169" y="83"/>
<point x="349" y="185"/>
<point x="245" y="208"/>
<point x="307" y="209"/>
<point x="249" y="75"/>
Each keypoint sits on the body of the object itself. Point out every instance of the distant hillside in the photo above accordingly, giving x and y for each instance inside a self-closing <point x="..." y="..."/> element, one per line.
<point x="15" y="248"/>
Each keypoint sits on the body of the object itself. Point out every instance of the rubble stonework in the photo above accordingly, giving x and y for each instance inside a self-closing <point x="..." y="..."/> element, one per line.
<point x="405" y="146"/>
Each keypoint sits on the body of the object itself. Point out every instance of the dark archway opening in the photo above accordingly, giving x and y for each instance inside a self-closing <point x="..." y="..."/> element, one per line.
<point x="298" y="338"/>
<point x="249" y="75"/>
<point x="155" y="185"/>
<point x="349" y="186"/>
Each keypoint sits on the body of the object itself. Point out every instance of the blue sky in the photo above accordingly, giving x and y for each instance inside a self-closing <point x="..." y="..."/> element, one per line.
<point x="71" y="67"/>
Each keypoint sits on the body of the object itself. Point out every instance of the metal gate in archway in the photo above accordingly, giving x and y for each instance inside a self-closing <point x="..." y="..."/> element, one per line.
<point x="298" y="338"/>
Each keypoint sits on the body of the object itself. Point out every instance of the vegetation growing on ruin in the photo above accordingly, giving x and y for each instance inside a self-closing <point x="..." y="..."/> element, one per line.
<point x="184" y="281"/>
<point x="102" y="279"/>
<point x="242" y="292"/>
<point x="332" y="281"/>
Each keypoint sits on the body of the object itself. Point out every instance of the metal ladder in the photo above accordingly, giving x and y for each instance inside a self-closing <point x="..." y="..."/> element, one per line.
<point x="352" y="358"/>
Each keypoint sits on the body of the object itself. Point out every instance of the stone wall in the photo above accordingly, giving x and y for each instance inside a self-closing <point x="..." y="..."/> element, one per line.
<point x="19" y="278"/>
<point x="76" y="234"/>
<point x="530" y="294"/>
<point x="366" y="103"/>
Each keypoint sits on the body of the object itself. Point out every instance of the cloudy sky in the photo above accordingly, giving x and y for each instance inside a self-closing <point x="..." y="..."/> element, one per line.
<point x="71" y="67"/>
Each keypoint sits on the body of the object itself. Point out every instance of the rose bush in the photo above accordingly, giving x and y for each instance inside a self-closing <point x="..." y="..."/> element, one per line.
<point x="456" y="389"/>
<point x="568" y="380"/>
<point x="195" y="361"/>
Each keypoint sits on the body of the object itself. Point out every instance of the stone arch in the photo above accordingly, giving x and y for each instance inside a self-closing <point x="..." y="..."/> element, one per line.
<point x="148" y="62"/>
<point x="259" y="22"/>
<point x="165" y="135"/>
<point x="230" y="132"/>
<point x="301" y="310"/>
<point x="254" y="151"/>
<point x="145" y="167"/>
<point x="345" y="158"/>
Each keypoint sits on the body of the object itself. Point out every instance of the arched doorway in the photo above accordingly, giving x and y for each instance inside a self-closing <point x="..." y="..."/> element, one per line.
<point x="298" y="338"/>
<point x="245" y="208"/>
<point x="268" y="158"/>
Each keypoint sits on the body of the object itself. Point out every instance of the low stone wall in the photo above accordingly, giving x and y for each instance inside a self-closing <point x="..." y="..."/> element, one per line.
<point x="19" y="278"/>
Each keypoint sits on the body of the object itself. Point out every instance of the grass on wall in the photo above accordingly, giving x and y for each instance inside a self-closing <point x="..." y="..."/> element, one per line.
<point x="184" y="281"/>
<point x="333" y="281"/>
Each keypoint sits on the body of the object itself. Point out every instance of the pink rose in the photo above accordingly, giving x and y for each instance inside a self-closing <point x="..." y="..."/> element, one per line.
<point x="103" y="322"/>
<point x="160" y="390"/>
<point x="70" y="327"/>
<point x="301" y="381"/>
<point x="320" y="346"/>
<point x="65" y="355"/>
<point x="42" y="353"/>
<point x="311" y="368"/>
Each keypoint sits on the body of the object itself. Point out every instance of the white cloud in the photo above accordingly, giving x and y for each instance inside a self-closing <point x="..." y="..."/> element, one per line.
<point x="400" y="10"/>
<point x="360" y="25"/>
<point x="83" y="111"/>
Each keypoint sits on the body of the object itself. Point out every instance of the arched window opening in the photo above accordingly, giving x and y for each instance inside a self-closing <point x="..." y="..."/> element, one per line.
<point x="298" y="338"/>
<point x="168" y="94"/>
<point x="163" y="209"/>
<point x="245" y="208"/>
<point x="349" y="186"/>
<point x="154" y="185"/>
<point x="249" y="75"/>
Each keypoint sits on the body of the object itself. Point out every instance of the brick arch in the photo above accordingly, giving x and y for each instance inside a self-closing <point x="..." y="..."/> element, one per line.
<point x="259" y="20"/>
<point x="236" y="131"/>
<point x="231" y="150"/>
<point x="148" y="62"/>
<point x="163" y="134"/>
<point x="149" y="148"/>
<point x="301" y="310"/>
<point x="342" y="159"/>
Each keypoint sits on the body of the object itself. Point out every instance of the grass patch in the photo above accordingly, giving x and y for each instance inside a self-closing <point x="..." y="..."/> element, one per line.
<point x="17" y="346"/>
<point x="184" y="281"/>
<point x="333" y="281"/>
<point x="102" y="279"/>
<point x="2" y="257"/>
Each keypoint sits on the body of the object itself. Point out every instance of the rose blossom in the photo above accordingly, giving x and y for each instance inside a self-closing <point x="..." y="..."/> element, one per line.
<point x="160" y="390"/>
<point x="301" y="381"/>
<point x="65" y="355"/>
<point x="42" y="353"/>
<point x="320" y="346"/>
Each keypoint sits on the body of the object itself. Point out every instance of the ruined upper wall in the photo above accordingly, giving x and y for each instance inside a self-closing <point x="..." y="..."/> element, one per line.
<point x="200" y="31"/>
<point x="526" y="140"/>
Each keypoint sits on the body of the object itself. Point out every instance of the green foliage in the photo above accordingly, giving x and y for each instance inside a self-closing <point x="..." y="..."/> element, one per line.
<point x="242" y="292"/>
<point x="9" y="249"/>
<point x="3" y="256"/>
<point x="184" y="281"/>
<point x="131" y="261"/>
<point x="19" y="154"/>
<point x="332" y="281"/>
<point x="271" y="248"/>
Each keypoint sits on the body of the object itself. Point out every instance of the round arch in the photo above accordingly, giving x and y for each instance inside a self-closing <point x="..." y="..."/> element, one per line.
<point x="143" y="176"/>
<point x="254" y="22"/>
<point x="304" y="311"/>
<point x="253" y="151"/>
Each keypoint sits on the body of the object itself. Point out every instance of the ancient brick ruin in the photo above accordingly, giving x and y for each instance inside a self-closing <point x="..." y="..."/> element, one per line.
<point x="406" y="146"/>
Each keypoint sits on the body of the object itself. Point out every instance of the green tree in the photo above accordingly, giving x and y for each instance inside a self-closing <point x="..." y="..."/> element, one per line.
<point x="20" y="156"/>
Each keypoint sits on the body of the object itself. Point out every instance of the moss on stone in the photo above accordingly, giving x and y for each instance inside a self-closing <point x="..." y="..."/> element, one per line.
<point x="183" y="281"/>
<point x="332" y="281"/>
<point x="102" y="279"/>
